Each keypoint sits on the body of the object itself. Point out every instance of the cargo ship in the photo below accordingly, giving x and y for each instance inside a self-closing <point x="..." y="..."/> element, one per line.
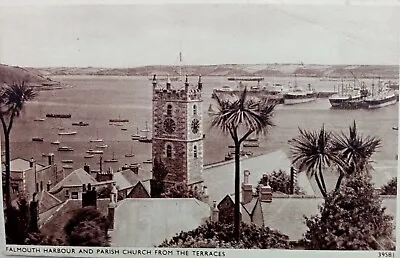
<point x="349" y="97"/>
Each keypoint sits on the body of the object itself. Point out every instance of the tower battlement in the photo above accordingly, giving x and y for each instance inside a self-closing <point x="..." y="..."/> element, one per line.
<point x="169" y="92"/>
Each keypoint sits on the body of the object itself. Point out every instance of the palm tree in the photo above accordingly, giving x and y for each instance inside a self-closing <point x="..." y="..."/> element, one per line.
<point x="355" y="151"/>
<point x="241" y="117"/>
<point x="312" y="152"/>
<point x="12" y="100"/>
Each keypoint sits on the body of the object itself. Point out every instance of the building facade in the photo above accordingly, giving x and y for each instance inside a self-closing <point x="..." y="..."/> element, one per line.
<point x="178" y="130"/>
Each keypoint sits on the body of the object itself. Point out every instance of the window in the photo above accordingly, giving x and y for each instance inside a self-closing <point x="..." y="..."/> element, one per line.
<point x="169" y="151"/>
<point x="194" y="110"/>
<point x="41" y="185"/>
<point x="169" y="110"/>
<point x="66" y="194"/>
<point x="195" y="151"/>
<point x="74" y="195"/>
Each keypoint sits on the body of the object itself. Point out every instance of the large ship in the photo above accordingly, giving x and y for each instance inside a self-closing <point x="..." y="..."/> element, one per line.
<point x="381" y="98"/>
<point x="349" y="97"/>
<point x="297" y="95"/>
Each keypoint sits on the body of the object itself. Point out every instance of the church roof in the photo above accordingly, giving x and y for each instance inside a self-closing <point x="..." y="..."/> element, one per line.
<point x="127" y="178"/>
<point x="76" y="178"/>
<point x="220" y="178"/>
<point x="147" y="222"/>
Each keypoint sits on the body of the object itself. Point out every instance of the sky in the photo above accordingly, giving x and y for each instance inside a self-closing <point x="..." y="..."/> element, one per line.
<point x="136" y="35"/>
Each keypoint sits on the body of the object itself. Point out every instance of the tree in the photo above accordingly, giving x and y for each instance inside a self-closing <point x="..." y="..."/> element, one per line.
<point x="312" y="152"/>
<point x="279" y="181"/>
<point x="351" y="219"/>
<point x="239" y="118"/>
<point x="218" y="235"/>
<point x="12" y="101"/>
<point x="160" y="171"/>
<point x="17" y="222"/>
<point x="390" y="188"/>
<point x="180" y="190"/>
<point x="355" y="150"/>
<point x="87" y="227"/>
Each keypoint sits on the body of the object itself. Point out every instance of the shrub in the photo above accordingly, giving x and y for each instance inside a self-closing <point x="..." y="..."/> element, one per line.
<point x="280" y="182"/>
<point x="351" y="219"/>
<point x="390" y="188"/>
<point x="218" y="235"/>
<point x="180" y="190"/>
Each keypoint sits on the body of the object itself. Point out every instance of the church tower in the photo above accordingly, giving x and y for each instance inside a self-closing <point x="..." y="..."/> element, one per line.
<point x="178" y="130"/>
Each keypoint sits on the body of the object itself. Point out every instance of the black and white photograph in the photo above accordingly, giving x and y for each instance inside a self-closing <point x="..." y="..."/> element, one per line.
<point x="142" y="129"/>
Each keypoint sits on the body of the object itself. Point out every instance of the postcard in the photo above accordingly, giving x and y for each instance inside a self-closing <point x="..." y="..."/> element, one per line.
<point x="200" y="130"/>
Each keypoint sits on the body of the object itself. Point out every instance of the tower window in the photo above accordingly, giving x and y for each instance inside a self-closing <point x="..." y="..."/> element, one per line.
<point x="194" y="110"/>
<point x="169" y="110"/>
<point x="169" y="151"/>
<point x="195" y="151"/>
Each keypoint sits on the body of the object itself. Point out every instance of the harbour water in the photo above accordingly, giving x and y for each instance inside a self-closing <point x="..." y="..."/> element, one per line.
<point x="96" y="99"/>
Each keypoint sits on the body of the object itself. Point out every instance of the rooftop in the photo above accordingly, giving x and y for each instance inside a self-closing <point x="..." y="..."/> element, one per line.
<point x="147" y="222"/>
<point x="20" y="165"/>
<point x="76" y="178"/>
<point x="127" y="178"/>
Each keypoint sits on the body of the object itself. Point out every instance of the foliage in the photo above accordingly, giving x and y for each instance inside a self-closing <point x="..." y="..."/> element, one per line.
<point x="104" y="192"/>
<point x="12" y="100"/>
<point x="355" y="151"/>
<point x="180" y="190"/>
<point x="17" y="222"/>
<point x="351" y="219"/>
<point x="88" y="227"/>
<point x="312" y="152"/>
<point x="240" y="118"/>
<point x="390" y="188"/>
<point x="160" y="171"/>
<point x="38" y="238"/>
<point x="279" y="181"/>
<point x="218" y="235"/>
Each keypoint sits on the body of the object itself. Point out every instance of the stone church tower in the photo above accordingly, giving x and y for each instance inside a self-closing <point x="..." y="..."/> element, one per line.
<point x="178" y="130"/>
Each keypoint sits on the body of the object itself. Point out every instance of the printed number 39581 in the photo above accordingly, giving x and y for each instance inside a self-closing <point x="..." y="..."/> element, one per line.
<point x="386" y="254"/>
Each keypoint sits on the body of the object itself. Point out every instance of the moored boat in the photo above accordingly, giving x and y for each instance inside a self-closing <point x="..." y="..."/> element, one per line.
<point x="91" y="151"/>
<point x="56" y="142"/>
<point x="381" y="98"/>
<point x="37" y="139"/>
<point x="297" y="95"/>
<point x="80" y="123"/>
<point x="67" y="167"/>
<point x="349" y="97"/>
<point x="67" y="133"/>
<point x="58" y="115"/>
<point x="67" y="161"/>
<point x="65" y="148"/>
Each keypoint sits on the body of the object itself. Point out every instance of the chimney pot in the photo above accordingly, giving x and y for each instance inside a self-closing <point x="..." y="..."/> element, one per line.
<point x="214" y="212"/>
<point x="246" y="176"/>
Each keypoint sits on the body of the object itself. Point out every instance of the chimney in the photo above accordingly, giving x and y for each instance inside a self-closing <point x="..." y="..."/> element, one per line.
<point x="247" y="188"/>
<point x="214" y="212"/>
<point x="86" y="168"/>
<point x="200" y="84"/>
<point x="34" y="214"/>
<point x="265" y="193"/>
<point x="48" y="186"/>
<point x="50" y="158"/>
<point x="89" y="198"/>
<point x="111" y="212"/>
<point x="31" y="162"/>
<point x="205" y="197"/>
<point x="83" y="188"/>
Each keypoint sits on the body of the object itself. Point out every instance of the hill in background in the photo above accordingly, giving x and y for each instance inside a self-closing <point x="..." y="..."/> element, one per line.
<point x="265" y="70"/>
<point x="33" y="77"/>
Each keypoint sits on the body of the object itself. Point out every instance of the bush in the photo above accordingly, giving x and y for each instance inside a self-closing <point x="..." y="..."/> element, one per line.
<point x="280" y="182"/>
<point x="351" y="219"/>
<point x="218" y="235"/>
<point x="180" y="190"/>
<point x="88" y="227"/>
<point x="390" y="188"/>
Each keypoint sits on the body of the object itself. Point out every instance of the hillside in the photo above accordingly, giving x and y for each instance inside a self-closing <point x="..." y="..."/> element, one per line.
<point x="33" y="77"/>
<point x="266" y="70"/>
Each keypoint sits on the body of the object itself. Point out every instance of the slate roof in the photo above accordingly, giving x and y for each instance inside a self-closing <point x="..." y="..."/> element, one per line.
<point x="219" y="178"/>
<point x="128" y="179"/>
<point x="47" y="201"/>
<point x="147" y="222"/>
<point x="76" y="178"/>
<point x="287" y="214"/>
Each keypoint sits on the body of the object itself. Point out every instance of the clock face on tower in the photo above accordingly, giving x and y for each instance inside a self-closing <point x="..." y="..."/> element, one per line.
<point x="169" y="125"/>
<point x="195" y="126"/>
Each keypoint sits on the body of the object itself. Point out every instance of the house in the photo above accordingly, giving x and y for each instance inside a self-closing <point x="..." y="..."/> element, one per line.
<point x="75" y="183"/>
<point x="27" y="176"/>
<point x="127" y="179"/>
<point x="155" y="219"/>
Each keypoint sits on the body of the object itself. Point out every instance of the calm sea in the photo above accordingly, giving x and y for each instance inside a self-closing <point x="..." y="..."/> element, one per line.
<point x="96" y="99"/>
